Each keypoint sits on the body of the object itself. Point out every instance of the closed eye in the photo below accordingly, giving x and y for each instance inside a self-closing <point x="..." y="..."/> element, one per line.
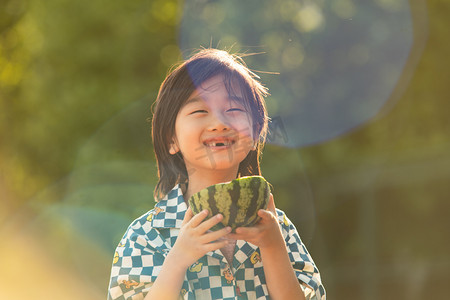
<point x="235" y="109"/>
<point x="198" y="111"/>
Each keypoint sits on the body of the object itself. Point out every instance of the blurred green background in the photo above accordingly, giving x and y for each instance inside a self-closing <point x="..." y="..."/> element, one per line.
<point x="77" y="80"/>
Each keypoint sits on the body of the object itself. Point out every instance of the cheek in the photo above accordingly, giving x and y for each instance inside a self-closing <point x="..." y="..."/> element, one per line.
<point x="179" y="133"/>
<point x="244" y="126"/>
<point x="185" y="131"/>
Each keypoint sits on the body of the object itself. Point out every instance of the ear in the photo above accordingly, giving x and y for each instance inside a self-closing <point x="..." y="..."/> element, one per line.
<point x="255" y="145"/>
<point x="173" y="149"/>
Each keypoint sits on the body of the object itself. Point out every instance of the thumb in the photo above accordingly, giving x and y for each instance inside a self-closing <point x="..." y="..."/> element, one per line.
<point x="271" y="205"/>
<point x="266" y="214"/>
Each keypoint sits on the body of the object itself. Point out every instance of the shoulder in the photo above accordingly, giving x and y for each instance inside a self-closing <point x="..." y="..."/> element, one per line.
<point x="142" y="237"/>
<point x="282" y="218"/>
<point x="138" y="229"/>
<point x="288" y="229"/>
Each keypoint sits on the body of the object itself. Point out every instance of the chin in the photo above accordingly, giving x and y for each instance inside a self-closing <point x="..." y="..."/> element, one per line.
<point x="223" y="166"/>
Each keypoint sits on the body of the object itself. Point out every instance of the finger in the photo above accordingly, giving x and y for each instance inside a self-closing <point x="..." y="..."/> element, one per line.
<point x="215" y="245"/>
<point x="188" y="216"/>
<point x="243" y="233"/>
<point x="271" y="205"/>
<point x="215" y="235"/>
<point x="266" y="214"/>
<point x="234" y="236"/>
<point x="208" y="224"/>
<point x="198" y="218"/>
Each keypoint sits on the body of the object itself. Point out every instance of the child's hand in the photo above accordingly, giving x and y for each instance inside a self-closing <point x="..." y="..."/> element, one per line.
<point x="194" y="239"/>
<point x="266" y="233"/>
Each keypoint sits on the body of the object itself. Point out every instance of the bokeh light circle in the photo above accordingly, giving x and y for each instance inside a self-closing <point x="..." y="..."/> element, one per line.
<point x="338" y="61"/>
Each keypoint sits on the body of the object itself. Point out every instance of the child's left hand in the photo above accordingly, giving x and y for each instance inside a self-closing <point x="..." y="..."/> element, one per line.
<point x="266" y="233"/>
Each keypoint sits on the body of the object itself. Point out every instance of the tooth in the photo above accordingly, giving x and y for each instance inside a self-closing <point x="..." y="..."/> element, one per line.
<point x="219" y="144"/>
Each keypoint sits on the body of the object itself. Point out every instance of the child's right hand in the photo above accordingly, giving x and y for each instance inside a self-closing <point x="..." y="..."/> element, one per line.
<point x="195" y="239"/>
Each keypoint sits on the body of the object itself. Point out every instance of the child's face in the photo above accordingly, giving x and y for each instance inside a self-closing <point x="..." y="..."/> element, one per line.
<point x="213" y="130"/>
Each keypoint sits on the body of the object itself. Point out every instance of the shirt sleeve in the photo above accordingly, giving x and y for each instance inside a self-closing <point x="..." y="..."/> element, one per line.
<point x="137" y="261"/>
<point x="303" y="264"/>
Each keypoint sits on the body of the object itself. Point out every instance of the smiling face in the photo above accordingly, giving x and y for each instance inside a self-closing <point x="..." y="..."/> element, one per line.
<point x="213" y="130"/>
<point x="215" y="138"/>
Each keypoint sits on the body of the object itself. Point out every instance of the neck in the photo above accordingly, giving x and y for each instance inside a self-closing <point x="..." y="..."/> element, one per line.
<point x="200" y="180"/>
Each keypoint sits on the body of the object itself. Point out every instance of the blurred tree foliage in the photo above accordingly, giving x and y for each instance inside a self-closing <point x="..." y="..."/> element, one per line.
<point x="65" y="68"/>
<point x="77" y="79"/>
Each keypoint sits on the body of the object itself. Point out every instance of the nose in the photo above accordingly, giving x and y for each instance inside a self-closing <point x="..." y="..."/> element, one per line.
<point x="218" y="122"/>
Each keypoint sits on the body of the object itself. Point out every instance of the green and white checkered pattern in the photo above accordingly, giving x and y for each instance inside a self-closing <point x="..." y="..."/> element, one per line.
<point x="141" y="252"/>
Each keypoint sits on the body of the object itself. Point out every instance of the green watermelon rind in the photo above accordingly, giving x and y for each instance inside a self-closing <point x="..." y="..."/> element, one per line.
<point x="249" y="194"/>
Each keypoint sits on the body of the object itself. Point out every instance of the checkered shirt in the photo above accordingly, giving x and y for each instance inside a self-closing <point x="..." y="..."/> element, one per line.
<point x="141" y="252"/>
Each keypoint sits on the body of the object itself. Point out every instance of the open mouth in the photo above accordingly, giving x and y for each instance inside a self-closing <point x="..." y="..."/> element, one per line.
<point x="219" y="142"/>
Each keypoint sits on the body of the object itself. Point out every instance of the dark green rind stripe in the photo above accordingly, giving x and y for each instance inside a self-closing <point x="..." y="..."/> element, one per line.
<point x="192" y="205"/>
<point x="254" y="183"/>
<point x="253" y="220"/>
<point x="234" y="195"/>
<point x="212" y="202"/>
<point x="227" y="202"/>
<point x="259" y="201"/>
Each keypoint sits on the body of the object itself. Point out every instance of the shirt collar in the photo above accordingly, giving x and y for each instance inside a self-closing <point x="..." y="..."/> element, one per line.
<point x="169" y="211"/>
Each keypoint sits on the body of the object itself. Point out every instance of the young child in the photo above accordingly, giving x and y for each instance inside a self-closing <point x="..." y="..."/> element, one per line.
<point x="209" y="126"/>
